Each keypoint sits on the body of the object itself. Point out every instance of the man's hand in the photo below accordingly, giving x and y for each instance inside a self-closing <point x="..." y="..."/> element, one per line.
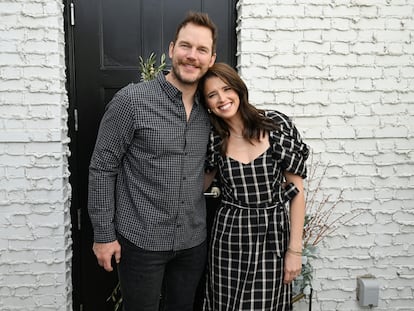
<point x="104" y="253"/>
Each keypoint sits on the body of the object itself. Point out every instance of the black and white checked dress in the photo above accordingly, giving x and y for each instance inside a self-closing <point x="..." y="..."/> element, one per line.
<point x="251" y="229"/>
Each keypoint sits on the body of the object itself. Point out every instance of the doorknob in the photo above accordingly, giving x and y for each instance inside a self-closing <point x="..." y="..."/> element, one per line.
<point x="214" y="192"/>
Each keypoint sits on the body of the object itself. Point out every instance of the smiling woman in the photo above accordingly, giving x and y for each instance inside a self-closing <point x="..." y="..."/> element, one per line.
<point x="221" y="98"/>
<point x="255" y="250"/>
<point x="223" y="101"/>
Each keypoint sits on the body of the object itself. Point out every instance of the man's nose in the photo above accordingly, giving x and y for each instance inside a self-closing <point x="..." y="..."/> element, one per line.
<point x="192" y="53"/>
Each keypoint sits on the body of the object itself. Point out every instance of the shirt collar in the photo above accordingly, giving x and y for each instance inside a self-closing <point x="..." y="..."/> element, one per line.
<point x="172" y="92"/>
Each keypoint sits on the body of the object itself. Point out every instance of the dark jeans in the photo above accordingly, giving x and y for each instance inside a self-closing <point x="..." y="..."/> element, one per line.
<point x="143" y="273"/>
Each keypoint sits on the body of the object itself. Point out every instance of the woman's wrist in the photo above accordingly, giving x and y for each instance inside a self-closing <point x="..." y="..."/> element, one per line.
<point x="294" y="251"/>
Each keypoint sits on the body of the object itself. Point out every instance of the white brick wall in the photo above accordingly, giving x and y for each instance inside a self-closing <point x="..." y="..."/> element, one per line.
<point x="345" y="71"/>
<point x="35" y="244"/>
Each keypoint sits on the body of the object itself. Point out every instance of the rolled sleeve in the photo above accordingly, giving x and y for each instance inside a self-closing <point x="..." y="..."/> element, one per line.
<point x="288" y="148"/>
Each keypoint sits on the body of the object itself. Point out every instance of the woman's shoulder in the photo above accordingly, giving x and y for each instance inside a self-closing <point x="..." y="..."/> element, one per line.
<point x="279" y="118"/>
<point x="287" y="141"/>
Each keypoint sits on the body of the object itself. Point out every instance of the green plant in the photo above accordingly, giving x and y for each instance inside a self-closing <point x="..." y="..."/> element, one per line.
<point x="148" y="67"/>
<point x="116" y="297"/>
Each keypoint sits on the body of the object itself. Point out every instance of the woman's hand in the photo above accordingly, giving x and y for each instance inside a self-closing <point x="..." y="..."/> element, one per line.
<point x="292" y="268"/>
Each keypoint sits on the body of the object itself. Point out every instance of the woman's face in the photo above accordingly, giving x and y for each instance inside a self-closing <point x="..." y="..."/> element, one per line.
<point x="220" y="98"/>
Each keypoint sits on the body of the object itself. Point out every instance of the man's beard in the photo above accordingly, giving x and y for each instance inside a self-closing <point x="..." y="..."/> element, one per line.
<point x="180" y="78"/>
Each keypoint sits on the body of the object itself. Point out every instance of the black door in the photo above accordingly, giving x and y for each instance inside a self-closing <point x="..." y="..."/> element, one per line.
<point x="104" y="41"/>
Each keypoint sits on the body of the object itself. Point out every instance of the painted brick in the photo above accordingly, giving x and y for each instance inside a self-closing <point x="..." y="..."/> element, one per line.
<point x="366" y="74"/>
<point x="32" y="9"/>
<point x="9" y="8"/>
<point x="32" y="75"/>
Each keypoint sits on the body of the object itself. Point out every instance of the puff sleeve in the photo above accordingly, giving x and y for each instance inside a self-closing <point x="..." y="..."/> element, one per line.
<point x="289" y="151"/>
<point x="213" y="152"/>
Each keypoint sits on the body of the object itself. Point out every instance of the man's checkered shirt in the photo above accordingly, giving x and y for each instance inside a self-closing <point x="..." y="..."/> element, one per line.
<point x="146" y="172"/>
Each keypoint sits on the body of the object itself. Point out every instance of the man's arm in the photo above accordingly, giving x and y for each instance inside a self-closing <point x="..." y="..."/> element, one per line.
<point x="115" y="134"/>
<point x="208" y="178"/>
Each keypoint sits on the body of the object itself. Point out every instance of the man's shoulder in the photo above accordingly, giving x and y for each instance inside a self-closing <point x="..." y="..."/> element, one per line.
<point x="140" y="91"/>
<point x="142" y="86"/>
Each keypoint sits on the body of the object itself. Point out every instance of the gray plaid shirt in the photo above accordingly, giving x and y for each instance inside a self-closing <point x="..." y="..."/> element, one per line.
<point x="146" y="172"/>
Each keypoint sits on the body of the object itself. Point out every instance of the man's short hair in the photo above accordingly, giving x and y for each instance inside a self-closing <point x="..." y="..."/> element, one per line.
<point x="199" y="19"/>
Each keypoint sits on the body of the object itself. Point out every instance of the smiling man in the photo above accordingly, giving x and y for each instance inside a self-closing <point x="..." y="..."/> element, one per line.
<point x="146" y="175"/>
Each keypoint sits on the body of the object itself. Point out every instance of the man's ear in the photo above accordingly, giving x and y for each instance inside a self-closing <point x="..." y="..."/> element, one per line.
<point x="213" y="60"/>
<point x="170" y="49"/>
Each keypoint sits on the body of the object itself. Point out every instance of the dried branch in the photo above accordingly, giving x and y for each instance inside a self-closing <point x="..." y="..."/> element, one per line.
<point x="319" y="223"/>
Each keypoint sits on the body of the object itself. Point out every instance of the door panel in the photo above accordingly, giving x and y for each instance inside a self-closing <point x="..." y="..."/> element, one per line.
<point x="103" y="49"/>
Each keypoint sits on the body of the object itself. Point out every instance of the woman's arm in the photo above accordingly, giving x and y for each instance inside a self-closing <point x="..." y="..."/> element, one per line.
<point x="293" y="258"/>
<point x="297" y="212"/>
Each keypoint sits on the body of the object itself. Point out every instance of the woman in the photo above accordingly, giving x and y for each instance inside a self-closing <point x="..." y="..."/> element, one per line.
<point x="256" y="248"/>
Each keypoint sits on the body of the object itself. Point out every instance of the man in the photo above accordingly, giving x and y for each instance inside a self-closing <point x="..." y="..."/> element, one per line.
<point x="146" y="174"/>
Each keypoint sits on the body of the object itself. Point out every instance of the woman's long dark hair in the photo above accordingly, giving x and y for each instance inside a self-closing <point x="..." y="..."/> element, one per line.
<point x="254" y="121"/>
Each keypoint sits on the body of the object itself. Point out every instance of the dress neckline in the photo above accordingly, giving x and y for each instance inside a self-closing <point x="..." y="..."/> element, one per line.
<point x="252" y="161"/>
